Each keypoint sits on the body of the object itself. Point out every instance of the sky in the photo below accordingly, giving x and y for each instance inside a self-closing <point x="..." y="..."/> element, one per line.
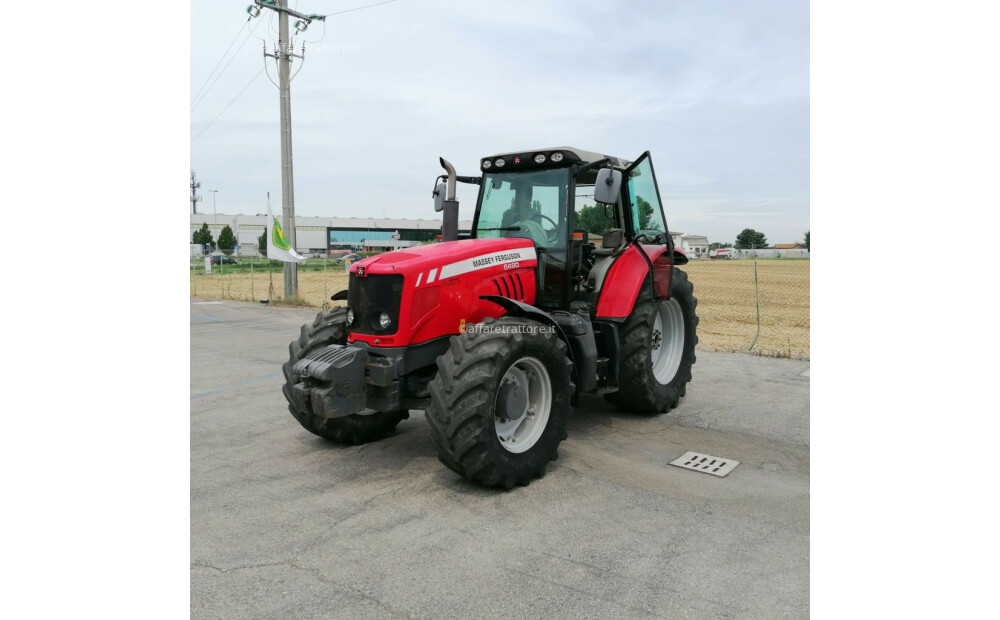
<point x="718" y="92"/>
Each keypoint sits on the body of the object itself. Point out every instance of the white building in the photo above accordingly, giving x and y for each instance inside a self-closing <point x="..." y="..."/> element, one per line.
<point x="695" y="246"/>
<point x="319" y="235"/>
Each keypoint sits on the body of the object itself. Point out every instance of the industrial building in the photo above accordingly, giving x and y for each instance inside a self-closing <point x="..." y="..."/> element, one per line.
<point x="318" y="236"/>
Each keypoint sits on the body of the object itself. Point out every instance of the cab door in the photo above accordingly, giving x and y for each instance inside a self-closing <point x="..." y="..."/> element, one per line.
<point x="645" y="207"/>
<point x="646" y="218"/>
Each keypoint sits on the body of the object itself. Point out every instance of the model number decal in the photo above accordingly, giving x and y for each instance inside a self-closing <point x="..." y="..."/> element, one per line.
<point x="510" y="259"/>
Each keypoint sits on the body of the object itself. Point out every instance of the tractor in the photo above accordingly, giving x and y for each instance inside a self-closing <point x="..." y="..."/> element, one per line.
<point x="566" y="284"/>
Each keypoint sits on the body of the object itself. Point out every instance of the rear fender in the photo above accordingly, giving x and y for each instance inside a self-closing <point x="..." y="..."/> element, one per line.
<point x="622" y="284"/>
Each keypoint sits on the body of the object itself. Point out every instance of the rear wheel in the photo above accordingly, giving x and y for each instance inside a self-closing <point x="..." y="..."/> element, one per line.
<point x="658" y="341"/>
<point x="500" y="401"/>
<point x="331" y="328"/>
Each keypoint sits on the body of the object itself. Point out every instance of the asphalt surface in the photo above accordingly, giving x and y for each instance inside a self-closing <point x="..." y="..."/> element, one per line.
<point x="287" y="525"/>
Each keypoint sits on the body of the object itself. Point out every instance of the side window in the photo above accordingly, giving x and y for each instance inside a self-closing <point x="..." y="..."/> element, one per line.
<point x="595" y="218"/>
<point x="547" y="209"/>
<point x="647" y="214"/>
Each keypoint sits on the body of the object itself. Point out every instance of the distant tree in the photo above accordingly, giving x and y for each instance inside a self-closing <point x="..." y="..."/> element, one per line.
<point x="203" y="236"/>
<point x="750" y="239"/>
<point x="262" y="243"/>
<point x="592" y="219"/>
<point x="646" y="221"/>
<point x="719" y="246"/>
<point x="806" y="240"/>
<point x="227" y="240"/>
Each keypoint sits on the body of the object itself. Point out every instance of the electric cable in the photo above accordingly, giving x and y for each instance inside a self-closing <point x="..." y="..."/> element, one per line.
<point x="224" y="54"/>
<point x="368" y="6"/>
<point x="238" y="95"/>
<point x="216" y="80"/>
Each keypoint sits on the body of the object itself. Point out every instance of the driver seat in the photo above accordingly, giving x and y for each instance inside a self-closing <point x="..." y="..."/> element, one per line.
<point x="612" y="241"/>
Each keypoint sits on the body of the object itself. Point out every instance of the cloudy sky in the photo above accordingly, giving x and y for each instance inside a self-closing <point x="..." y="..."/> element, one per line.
<point x="717" y="91"/>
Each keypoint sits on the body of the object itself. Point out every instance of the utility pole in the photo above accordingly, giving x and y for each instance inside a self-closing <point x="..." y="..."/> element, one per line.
<point x="284" y="54"/>
<point x="195" y="184"/>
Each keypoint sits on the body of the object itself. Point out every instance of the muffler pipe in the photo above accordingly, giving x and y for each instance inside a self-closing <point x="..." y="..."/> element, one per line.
<point x="449" y="224"/>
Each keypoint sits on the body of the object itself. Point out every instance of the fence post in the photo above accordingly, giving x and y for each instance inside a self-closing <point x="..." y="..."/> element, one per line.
<point x="252" y="296"/>
<point x="756" y="294"/>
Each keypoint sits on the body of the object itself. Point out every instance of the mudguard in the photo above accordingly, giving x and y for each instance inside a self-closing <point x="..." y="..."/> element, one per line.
<point x="521" y="309"/>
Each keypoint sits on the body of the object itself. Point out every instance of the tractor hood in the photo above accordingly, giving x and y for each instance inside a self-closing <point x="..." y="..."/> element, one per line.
<point x="431" y="291"/>
<point x="438" y="261"/>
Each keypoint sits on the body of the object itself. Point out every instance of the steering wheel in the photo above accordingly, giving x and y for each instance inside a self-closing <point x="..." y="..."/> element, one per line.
<point x="553" y="235"/>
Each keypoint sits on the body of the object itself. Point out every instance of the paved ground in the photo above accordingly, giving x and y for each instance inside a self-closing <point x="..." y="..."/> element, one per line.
<point x="287" y="525"/>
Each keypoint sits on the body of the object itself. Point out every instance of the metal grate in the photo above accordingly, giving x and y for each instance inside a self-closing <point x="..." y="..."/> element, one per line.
<point x="706" y="463"/>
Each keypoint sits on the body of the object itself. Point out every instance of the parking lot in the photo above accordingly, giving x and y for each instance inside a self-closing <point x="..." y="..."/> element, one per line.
<point x="287" y="525"/>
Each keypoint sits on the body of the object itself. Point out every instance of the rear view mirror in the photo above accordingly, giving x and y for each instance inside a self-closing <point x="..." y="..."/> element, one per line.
<point x="439" y="197"/>
<point x="608" y="186"/>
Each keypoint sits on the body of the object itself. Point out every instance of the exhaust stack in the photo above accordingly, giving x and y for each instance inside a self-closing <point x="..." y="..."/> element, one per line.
<point x="449" y="225"/>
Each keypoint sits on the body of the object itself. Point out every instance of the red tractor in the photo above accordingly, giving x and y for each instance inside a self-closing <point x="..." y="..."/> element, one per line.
<point x="566" y="284"/>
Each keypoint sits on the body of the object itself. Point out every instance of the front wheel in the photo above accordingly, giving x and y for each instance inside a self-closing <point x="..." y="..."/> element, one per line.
<point x="657" y="352"/>
<point x="500" y="401"/>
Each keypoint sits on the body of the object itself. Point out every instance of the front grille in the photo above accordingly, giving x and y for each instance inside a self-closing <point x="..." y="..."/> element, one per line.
<point x="371" y="296"/>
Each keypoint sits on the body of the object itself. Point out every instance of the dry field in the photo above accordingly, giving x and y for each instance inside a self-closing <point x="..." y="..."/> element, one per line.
<point x="727" y="303"/>
<point x="315" y="287"/>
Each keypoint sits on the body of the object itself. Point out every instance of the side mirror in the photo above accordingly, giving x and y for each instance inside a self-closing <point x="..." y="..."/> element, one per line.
<point x="608" y="186"/>
<point x="439" y="197"/>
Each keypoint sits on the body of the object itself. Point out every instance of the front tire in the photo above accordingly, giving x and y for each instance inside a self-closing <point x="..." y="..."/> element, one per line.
<point x="657" y="353"/>
<point x="331" y="328"/>
<point x="500" y="401"/>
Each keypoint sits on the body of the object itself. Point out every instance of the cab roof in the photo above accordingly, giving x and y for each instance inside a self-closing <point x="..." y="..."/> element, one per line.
<point x="525" y="159"/>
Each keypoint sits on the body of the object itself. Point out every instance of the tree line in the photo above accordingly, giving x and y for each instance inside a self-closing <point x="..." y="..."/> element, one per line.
<point x="227" y="240"/>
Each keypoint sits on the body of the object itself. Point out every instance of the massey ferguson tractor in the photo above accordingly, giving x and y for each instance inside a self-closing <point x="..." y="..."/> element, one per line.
<point x="567" y="284"/>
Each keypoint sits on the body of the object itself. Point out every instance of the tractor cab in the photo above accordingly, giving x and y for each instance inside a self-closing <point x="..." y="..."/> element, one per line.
<point x="548" y="196"/>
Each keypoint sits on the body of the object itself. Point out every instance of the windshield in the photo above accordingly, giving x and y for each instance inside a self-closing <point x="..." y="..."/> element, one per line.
<point x="525" y="204"/>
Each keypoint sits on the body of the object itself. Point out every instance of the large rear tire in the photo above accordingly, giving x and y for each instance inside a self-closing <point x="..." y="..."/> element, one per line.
<point x="331" y="328"/>
<point x="500" y="401"/>
<point x="658" y="341"/>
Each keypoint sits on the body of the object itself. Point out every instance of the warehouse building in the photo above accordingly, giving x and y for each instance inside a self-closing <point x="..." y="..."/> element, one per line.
<point x="318" y="236"/>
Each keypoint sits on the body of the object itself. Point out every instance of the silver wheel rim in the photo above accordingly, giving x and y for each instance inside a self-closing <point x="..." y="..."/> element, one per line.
<point x="520" y="434"/>
<point x="667" y="346"/>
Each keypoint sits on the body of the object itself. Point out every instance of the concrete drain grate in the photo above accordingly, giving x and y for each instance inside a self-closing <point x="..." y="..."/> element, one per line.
<point x="706" y="463"/>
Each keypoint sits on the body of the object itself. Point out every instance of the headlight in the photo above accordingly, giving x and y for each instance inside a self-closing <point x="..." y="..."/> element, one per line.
<point x="350" y="316"/>
<point x="557" y="157"/>
<point x="540" y="158"/>
<point x="384" y="320"/>
<point x="499" y="162"/>
<point x="486" y="164"/>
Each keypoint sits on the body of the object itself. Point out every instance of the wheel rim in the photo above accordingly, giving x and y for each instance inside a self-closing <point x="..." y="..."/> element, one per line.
<point x="667" y="347"/>
<point x="522" y="406"/>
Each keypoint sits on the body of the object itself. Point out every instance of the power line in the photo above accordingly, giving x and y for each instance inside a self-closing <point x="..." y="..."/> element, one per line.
<point x="359" y="8"/>
<point x="216" y="80"/>
<point x="220" y="60"/>
<point x="212" y="122"/>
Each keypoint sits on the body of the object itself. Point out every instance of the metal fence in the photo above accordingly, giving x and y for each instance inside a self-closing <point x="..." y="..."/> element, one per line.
<point x="258" y="279"/>
<point x="757" y="306"/>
